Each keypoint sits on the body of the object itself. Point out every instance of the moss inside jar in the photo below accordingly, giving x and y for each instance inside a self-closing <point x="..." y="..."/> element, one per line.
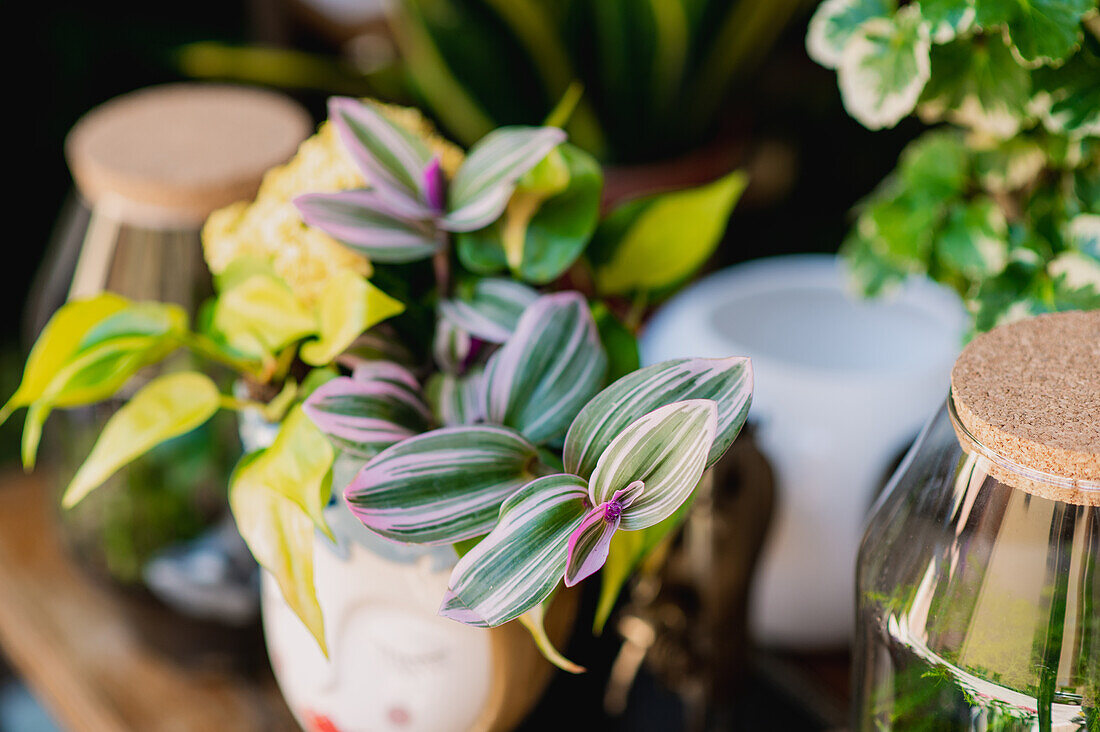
<point x="979" y="574"/>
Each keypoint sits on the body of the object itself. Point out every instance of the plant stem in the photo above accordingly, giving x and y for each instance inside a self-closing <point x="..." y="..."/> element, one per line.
<point x="441" y="263"/>
<point x="203" y="346"/>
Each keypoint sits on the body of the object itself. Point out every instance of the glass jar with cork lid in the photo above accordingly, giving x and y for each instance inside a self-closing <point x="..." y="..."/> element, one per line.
<point x="979" y="574"/>
<point x="149" y="167"/>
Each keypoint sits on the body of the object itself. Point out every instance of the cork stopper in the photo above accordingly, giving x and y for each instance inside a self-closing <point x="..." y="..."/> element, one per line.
<point x="168" y="155"/>
<point x="1030" y="392"/>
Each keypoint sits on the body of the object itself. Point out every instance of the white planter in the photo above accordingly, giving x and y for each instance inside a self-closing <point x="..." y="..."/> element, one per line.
<point x="841" y="386"/>
<point x="394" y="664"/>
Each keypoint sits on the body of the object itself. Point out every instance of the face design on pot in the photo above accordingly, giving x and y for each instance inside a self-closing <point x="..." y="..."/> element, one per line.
<point x="394" y="663"/>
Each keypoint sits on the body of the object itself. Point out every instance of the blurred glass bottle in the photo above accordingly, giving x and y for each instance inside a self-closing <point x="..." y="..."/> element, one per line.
<point x="149" y="167"/>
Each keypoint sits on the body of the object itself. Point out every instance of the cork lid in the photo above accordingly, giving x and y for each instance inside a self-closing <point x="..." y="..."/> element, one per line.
<point x="1030" y="392"/>
<point x="169" y="155"/>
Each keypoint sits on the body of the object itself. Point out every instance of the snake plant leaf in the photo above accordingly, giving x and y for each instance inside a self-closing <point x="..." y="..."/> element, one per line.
<point x="260" y="316"/>
<point x="522" y="560"/>
<point x="493" y="167"/>
<point x="392" y="159"/>
<point x="365" y="222"/>
<point x="667" y="451"/>
<point x="442" y="486"/>
<point x="884" y="67"/>
<point x="457" y="399"/>
<point x="491" y="310"/>
<point x="980" y="86"/>
<point x="380" y="406"/>
<point x="56" y="344"/>
<point x="662" y="240"/>
<point x="166" y="407"/>
<point x="543" y="229"/>
<point x="298" y="466"/>
<point x="726" y="381"/>
<point x="549" y="368"/>
<point x="280" y="536"/>
<point x="347" y="306"/>
<point x="974" y="241"/>
<point x="836" y="21"/>
<point x="1042" y="31"/>
<point x="947" y="19"/>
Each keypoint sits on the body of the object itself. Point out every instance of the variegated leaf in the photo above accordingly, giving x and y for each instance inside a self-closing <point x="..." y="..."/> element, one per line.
<point x="451" y="346"/>
<point x="393" y="160"/>
<point x="492" y="310"/>
<point x="488" y="176"/>
<point x="548" y="369"/>
<point x="590" y="542"/>
<point x="442" y="486"/>
<point x="457" y="399"/>
<point x="366" y="222"/>
<point x="835" y="21"/>
<point x="726" y="381"/>
<point x="521" y="561"/>
<point x="666" y="450"/>
<point x="347" y="306"/>
<point x="884" y="68"/>
<point x="364" y="415"/>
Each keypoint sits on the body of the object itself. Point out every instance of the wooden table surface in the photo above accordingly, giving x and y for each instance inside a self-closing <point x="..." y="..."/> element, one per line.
<point x="69" y="638"/>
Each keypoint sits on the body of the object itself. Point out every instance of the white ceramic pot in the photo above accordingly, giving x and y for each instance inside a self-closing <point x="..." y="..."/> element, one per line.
<point x="393" y="663"/>
<point x="842" y="386"/>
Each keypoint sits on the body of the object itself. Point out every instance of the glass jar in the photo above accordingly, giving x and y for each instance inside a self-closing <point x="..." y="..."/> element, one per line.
<point x="979" y="574"/>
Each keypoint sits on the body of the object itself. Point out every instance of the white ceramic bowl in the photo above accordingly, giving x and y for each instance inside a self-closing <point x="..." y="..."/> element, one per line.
<point x="842" y="386"/>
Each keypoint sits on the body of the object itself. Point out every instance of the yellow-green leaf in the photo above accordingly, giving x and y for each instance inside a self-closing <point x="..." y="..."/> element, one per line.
<point x="166" y="407"/>
<point x="57" y="342"/>
<point x="672" y="235"/>
<point x="297" y="466"/>
<point x="260" y="315"/>
<point x="280" y="536"/>
<point x="347" y="307"/>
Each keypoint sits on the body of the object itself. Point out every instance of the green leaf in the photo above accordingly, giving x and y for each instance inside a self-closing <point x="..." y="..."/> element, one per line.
<point x="522" y="560"/>
<point x="541" y="233"/>
<point x="535" y="622"/>
<point x="1068" y="97"/>
<point x="298" y="466"/>
<point x="1083" y="233"/>
<point x="667" y="451"/>
<point x="166" y="407"/>
<point x="280" y="536"/>
<point x="57" y="343"/>
<point x="664" y="240"/>
<point x="726" y="381"/>
<point x="980" y="86"/>
<point x="901" y="229"/>
<point x="618" y="342"/>
<point x="260" y="315"/>
<point x="347" y="306"/>
<point x="884" y="67"/>
<point x="935" y="166"/>
<point x="867" y="273"/>
<point x="975" y="240"/>
<point x="835" y="21"/>
<point x="948" y="18"/>
<point x="1041" y="31"/>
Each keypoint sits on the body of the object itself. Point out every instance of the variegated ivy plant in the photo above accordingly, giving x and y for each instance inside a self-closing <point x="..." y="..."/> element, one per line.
<point x="510" y="422"/>
<point x="1003" y="203"/>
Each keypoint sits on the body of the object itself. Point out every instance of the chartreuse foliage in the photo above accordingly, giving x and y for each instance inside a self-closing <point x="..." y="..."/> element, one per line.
<point x="459" y="422"/>
<point x="1003" y="210"/>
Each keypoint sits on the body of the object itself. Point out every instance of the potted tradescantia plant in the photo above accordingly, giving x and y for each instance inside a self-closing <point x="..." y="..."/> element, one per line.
<point x="437" y="431"/>
<point x="1001" y="203"/>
